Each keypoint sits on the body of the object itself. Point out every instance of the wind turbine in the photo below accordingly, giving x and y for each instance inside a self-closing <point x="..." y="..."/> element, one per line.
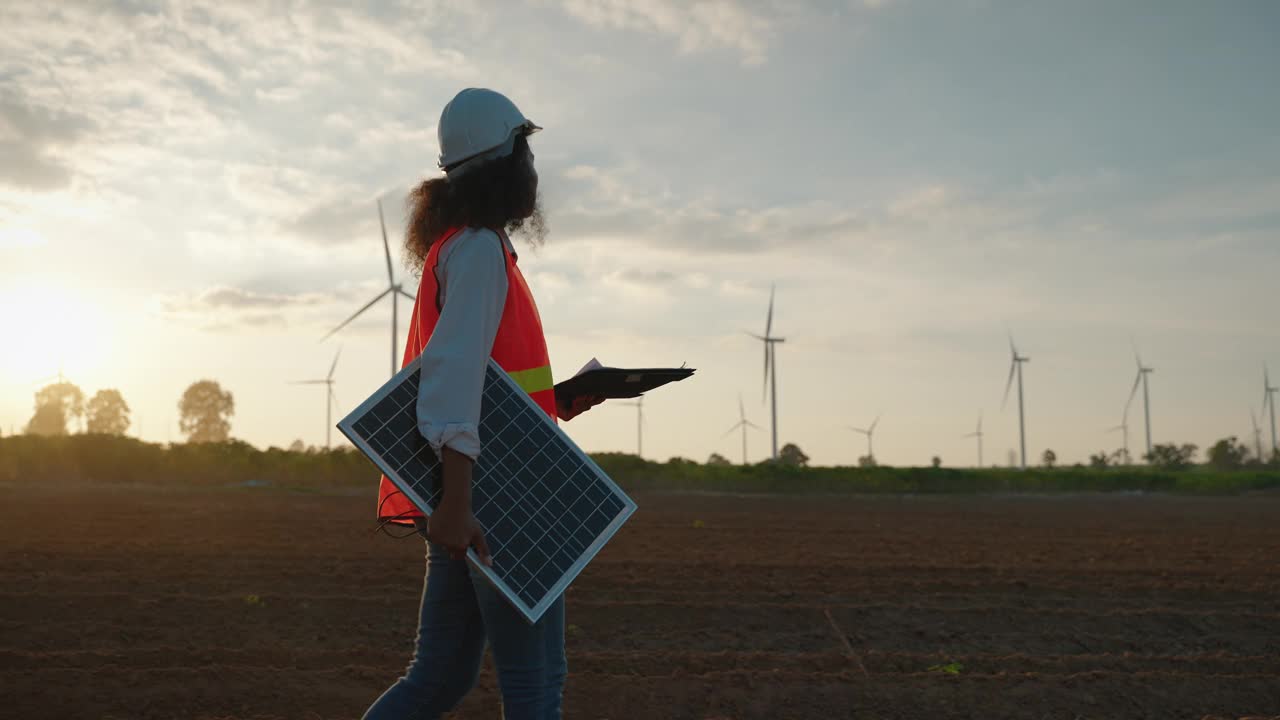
<point x="1269" y="398"/>
<point x="1015" y="367"/>
<point x="869" y="432"/>
<point x="771" y="367"/>
<point x="743" y="423"/>
<point x="1257" y="436"/>
<point x="330" y="398"/>
<point x="1141" y="379"/>
<point x="1124" y="429"/>
<point x="394" y="289"/>
<point x="978" y="434"/>
<point x="639" y="406"/>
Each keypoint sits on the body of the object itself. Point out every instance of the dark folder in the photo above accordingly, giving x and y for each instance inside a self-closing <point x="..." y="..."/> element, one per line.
<point x="618" y="382"/>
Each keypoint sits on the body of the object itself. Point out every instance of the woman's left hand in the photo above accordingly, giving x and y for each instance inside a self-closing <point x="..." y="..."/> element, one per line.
<point x="577" y="406"/>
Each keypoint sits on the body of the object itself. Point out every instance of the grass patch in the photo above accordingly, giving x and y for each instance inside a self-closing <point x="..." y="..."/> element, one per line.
<point x="121" y="460"/>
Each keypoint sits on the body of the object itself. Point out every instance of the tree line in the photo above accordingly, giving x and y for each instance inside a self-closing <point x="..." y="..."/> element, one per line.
<point x="204" y="412"/>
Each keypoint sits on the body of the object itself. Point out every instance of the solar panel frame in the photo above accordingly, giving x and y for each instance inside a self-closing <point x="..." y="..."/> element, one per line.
<point x="409" y="486"/>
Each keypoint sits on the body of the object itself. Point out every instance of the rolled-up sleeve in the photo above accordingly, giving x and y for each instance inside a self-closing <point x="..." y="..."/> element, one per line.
<point x="473" y="278"/>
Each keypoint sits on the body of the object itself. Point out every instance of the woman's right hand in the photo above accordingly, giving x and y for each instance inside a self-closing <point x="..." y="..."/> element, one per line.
<point x="454" y="526"/>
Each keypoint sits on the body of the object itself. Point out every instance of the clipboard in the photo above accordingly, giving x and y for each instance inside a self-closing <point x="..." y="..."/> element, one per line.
<point x="618" y="383"/>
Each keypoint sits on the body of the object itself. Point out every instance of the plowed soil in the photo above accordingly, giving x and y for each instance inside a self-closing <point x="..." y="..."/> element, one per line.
<point x="254" y="603"/>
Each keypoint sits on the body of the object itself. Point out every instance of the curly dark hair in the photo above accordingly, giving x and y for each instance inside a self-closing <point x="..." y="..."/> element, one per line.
<point x="498" y="194"/>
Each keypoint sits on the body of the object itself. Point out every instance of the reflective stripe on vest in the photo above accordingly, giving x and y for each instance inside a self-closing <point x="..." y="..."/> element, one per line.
<point x="534" y="379"/>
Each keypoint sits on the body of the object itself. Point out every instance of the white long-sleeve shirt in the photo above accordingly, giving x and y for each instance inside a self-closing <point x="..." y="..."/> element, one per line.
<point x="472" y="273"/>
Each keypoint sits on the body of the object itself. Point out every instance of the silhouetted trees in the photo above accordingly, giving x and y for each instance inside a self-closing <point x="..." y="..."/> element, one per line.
<point x="1228" y="454"/>
<point x="56" y="405"/>
<point x="792" y="455"/>
<point x="718" y="459"/>
<point x="866" y="461"/>
<point x="205" y="411"/>
<point x="107" y="413"/>
<point x="1171" y="456"/>
<point x="1050" y="458"/>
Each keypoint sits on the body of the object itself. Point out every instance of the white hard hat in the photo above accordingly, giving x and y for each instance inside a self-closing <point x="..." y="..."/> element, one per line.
<point x="479" y="124"/>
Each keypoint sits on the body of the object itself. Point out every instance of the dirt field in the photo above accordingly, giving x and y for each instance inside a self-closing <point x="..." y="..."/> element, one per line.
<point x="256" y="603"/>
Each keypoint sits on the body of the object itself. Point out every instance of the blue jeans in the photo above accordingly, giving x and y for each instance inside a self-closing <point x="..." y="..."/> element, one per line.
<point x="461" y="613"/>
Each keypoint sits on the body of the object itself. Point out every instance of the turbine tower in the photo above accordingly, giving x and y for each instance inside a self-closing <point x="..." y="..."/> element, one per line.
<point x="771" y="368"/>
<point x="394" y="289"/>
<point x="978" y="434"/>
<point x="1257" y="436"/>
<point x="1015" y="368"/>
<point x="869" y="432"/>
<point x="1124" y="429"/>
<point x="742" y="423"/>
<point x="1269" y="399"/>
<point x="1141" y="379"/>
<point x="639" y="406"/>
<point x="330" y="398"/>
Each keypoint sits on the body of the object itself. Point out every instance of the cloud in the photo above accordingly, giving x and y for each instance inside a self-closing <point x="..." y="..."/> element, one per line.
<point x="335" y="222"/>
<point x="697" y="26"/>
<point x="228" y="308"/>
<point x="32" y="140"/>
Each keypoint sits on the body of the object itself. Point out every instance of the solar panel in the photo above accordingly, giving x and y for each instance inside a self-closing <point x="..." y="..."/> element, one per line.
<point x="545" y="506"/>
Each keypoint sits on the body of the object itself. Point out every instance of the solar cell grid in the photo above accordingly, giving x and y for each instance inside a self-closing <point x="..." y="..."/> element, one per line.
<point x="546" y="508"/>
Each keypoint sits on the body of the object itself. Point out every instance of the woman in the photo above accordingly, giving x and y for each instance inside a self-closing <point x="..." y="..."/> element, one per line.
<point x="472" y="304"/>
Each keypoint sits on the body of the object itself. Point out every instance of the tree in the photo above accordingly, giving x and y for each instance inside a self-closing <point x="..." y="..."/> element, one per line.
<point x="204" y="412"/>
<point x="718" y="459"/>
<point x="297" y="446"/>
<point x="1100" y="460"/>
<point x="107" y="413"/>
<point x="1171" y="456"/>
<point x="937" y="461"/>
<point x="1121" y="457"/>
<point x="792" y="455"/>
<point x="55" y="405"/>
<point x="1228" y="454"/>
<point x="866" y="461"/>
<point x="1050" y="458"/>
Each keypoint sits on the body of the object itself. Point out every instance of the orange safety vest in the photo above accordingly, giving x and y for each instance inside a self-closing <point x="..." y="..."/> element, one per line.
<point x="519" y="348"/>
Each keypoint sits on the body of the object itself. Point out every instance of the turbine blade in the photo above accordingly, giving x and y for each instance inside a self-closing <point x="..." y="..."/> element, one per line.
<point x="768" y="322"/>
<point x="334" y="366"/>
<point x="764" y="387"/>
<point x="1133" y="393"/>
<point x="875" y="423"/>
<point x="355" y="315"/>
<point x="742" y="414"/>
<point x="750" y="424"/>
<point x="386" y="246"/>
<point x="309" y="382"/>
<point x="410" y="296"/>
<point x="1013" y="349"/>
<point x="1009" y="384"/>
<point x="1266" y="390"/>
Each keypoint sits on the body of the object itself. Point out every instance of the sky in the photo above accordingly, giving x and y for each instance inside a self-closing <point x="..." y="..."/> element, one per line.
<point x="188" y="190"/>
